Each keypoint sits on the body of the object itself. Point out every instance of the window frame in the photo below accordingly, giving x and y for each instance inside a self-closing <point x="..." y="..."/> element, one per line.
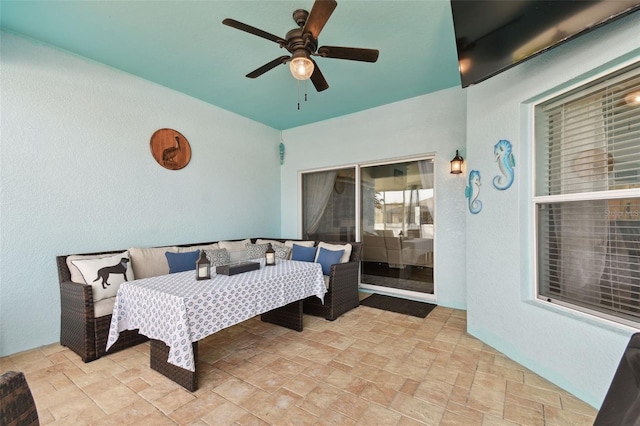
<point x="556" y="95"/>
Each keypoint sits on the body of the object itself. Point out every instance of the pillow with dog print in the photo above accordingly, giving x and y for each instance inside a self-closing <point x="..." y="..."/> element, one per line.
<point x="105" y="274"/>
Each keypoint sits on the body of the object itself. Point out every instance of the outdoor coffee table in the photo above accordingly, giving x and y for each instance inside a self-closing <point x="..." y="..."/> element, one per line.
<point x="176" y="310"/>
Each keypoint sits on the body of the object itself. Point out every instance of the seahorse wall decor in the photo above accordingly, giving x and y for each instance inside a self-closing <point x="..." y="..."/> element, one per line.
<point x="281" y="153"/>
<point x="473" y="191"/>
<point x="506" y="163"/>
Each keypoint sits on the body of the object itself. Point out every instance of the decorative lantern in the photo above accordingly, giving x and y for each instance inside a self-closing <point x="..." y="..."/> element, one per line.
<point x="456" y="164"/>
<point x="202" y="267"/>
<point x="270" y="256"/>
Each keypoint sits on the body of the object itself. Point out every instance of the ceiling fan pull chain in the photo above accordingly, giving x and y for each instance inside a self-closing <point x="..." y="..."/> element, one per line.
<point x="298" y="85"/>
<point x="305" y="90"/>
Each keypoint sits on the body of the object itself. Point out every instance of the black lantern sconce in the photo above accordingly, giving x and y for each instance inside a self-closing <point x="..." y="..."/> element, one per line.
<point x="270" y="256"/>
<point x="203" y="267"/>
<point x="456" y="164"/>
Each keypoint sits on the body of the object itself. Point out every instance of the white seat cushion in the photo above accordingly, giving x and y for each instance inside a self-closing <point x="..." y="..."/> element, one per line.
<point x="103" y="307"/>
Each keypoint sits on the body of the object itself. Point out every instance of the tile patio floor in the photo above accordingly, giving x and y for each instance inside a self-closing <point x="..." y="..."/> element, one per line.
<point x="369" y="367"/>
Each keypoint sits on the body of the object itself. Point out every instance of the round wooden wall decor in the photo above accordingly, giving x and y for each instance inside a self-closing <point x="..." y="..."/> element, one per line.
<point x="170" y="149"/>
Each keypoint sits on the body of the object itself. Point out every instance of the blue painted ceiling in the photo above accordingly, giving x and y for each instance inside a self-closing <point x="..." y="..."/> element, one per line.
<point x="184" y="46"/>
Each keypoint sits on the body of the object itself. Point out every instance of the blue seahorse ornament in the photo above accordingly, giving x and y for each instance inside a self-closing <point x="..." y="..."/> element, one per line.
<point x="506" y="163"/>
<point x="281" y="153"/>
<point x="472" y="191"/>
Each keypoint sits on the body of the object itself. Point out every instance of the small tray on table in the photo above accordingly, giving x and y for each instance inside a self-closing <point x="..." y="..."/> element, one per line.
<point x="237" y="268"/>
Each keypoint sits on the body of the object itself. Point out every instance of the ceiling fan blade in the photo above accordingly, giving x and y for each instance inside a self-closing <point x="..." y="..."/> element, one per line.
<point x="318" y="79"/>
<point x="268" y="66"/>
<point x="349" y="53"/>
<point x="253" y="30"/>
<point x="318" y="17"/>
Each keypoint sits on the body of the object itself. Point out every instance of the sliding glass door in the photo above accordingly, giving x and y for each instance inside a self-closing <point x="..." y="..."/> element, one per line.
<point x="390" y="209"/>
<point x="397" y="226"/>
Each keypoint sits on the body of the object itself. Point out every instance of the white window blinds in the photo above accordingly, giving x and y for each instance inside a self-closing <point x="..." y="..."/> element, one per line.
<point x="590" y="138"/>
<point x="588" y="143"/>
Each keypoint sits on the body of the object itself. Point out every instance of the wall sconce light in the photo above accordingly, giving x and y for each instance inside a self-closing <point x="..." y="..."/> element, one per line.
<point x="456" y="164"/>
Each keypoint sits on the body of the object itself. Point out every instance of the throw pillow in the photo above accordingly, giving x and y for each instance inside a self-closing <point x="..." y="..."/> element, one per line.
<point x="282" y="252"/>
<point x="337" y="247"/>
<point x="256" y="251"/>
<point x="105" y="274"/>
<point x="218" y="257"/>
<point x="303" y="254"/>
<point x="326" y="258"/>
<point x="180" y="262"/>
<point x="76" y="275"/>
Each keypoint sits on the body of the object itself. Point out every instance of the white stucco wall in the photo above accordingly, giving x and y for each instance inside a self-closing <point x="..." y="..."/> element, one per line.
<point x="571" y="351"/>
<point x="430" y="124"/>
<point x="77" y="175"/>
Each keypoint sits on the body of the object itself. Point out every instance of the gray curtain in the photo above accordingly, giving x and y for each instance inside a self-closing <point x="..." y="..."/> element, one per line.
<point x="317" y="188"/>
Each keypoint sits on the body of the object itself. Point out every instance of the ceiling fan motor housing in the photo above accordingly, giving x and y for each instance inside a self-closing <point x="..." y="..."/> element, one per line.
<point x="296" y="40"/>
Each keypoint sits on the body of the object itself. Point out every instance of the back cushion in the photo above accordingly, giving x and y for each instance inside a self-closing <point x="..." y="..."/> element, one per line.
<point x="150" y="261"/>
<point x="274" y="243"/>
<point x="212" y="246"/>
<point x="105" y="274"/>
<point x="237" y="249"/>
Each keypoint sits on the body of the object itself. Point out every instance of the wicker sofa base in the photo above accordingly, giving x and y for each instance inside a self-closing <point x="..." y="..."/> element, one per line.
<point x="86" y="335"/>
<point x="289" y="316"/>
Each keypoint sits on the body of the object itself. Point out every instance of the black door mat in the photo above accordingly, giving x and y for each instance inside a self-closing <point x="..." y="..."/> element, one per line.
<point x="401" y="306"/>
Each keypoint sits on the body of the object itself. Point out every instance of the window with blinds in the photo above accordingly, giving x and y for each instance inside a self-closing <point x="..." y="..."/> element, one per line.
<point x="587" y="197"/>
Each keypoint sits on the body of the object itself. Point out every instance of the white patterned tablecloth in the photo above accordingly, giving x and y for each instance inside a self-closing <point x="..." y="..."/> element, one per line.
<point x="178" y="310"/>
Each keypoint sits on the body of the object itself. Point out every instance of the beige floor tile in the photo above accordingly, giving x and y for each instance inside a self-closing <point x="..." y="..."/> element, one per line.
<point x="417" y="409"/>
<point x="377" y="415"/>
<point x="369" y="367"/>
<point x="225" y="414"/>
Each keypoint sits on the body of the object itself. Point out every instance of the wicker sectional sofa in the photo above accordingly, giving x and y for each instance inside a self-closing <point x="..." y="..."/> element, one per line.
<point x="84" y="324"/>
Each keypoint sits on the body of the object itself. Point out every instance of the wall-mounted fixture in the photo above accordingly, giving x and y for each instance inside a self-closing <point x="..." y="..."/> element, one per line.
<point x="456" y="164"/>
<point x="281" y="153"/>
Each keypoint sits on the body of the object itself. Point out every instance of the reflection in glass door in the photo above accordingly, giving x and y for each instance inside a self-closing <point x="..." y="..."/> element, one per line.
<point x="397" y="226"/>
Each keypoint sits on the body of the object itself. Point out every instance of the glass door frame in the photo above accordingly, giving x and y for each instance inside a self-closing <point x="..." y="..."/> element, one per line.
<point x="370" y="288"/>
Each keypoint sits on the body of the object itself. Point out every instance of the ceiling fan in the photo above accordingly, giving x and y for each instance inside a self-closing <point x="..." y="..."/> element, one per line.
<point x="302" y="43"/>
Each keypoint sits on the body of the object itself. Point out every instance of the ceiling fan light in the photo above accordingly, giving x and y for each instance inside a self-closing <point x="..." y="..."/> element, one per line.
<point x="301" y="68"/>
